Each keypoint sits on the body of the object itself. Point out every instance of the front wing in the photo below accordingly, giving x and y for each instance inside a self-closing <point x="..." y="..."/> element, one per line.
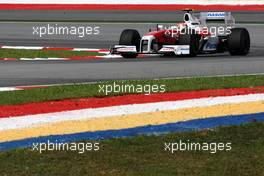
<point x="166" y="49"/>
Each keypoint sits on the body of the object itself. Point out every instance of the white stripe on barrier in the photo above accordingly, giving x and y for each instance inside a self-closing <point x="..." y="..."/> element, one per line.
<point x="23" y="47"/>
<point x="38" y="59"/>
<point x="5" y="89"/>
<point x="85" y="49"/>
<point x="103" y="51"/>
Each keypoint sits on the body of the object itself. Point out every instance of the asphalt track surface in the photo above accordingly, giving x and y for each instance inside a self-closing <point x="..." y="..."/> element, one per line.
<point x="17" y="73"/>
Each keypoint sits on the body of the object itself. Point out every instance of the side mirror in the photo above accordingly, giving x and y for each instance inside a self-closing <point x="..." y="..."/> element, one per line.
<point x="159" y="27"/>
<point x="186" y="17"/>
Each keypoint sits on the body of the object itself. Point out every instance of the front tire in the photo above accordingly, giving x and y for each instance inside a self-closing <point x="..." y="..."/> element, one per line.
<point x="130" y="37"/>
<point x="238" y="42"/>
<point x="193" y="40"/>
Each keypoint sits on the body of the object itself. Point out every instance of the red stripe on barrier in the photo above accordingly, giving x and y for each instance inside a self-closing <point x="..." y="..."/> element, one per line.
<point x="30" y="87"/>
<point x="128" y="7"/>
<point x="104" y="50"/>
<point x="85" y="58"/>
<point x="75" y="104"/>
<point x="8" y="59"/>
<point x="94" y="51"/>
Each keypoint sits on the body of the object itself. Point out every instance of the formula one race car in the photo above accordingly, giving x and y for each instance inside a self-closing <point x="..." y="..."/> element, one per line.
<point x="205" y="33"/>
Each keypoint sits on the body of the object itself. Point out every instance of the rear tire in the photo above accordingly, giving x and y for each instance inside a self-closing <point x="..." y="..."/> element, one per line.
<point x="238" y="42"/>
<point x="191" y="39"/>
<point x="130" y="37"/>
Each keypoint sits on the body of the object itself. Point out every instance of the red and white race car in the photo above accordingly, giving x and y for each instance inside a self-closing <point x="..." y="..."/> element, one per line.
<point x="209" y="32"/>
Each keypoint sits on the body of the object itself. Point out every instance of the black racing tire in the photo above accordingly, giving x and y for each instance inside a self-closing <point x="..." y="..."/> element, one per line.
<point x="191" y="39"/>
<point x="130" y="37"/>
<point x="238" y="42"/>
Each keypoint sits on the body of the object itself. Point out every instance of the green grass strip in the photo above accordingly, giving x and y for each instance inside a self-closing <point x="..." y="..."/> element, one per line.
<point x="92" y="90"/>
<point x="145" y="156"/>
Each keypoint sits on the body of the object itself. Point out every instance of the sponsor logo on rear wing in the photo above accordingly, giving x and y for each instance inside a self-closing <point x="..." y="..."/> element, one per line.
<point x="216" y="15"/>
<point x="221" y="18"/>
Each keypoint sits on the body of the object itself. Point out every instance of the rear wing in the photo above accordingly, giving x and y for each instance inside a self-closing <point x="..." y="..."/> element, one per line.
<point x="218" y="18"/>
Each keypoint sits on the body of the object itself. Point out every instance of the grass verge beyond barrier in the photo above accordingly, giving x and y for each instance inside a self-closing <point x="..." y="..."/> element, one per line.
<point x="92" y="90"/>
<point x="24" y="53"/>
<point x="145" y="156"/>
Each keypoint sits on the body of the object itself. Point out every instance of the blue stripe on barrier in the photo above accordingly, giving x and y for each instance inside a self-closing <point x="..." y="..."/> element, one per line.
<point x="197" y="124"/>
